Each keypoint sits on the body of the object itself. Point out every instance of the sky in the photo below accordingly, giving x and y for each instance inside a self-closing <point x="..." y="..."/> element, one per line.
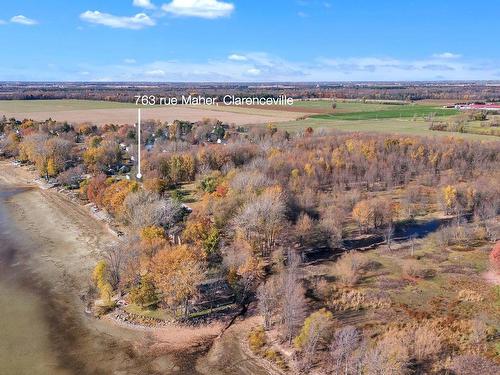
<point x="249" y="40"/>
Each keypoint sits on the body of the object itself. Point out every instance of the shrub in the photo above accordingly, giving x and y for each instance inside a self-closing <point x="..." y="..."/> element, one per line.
<point x="315" y="327"/>
<point x="413" y="269"/>
<point x="276" y="357"/>
<point x="467" y="295"/>
<point x="257" y="339"/>
<point x="470" y="364"/>
<point x="357" y="300"/>
<point x="426" y="344"/>
<point x="349" y="267"/>
<point x="144" y="294"/>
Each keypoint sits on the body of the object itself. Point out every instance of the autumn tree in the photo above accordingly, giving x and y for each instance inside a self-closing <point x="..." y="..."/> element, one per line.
<point x="177" y="272"/>
<point x="144" y="294"/>
<point x="71" y="176"/>
<point x="304" y="229"/>
<point x="153" y="238"/>
<point x="449" y="199"/>
<point x="101" y="155"/>
<point x="363" y="215"/>
<point x="316" y="328"/>
<point x="201" y="232"/>
<point x="96" y="188"/>
<point x="115" y="195"/>
<point x="331" y="223"/>
<point x="101" y="277"/>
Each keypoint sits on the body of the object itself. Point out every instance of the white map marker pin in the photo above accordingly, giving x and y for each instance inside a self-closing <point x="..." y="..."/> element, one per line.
<point x="139" y="174"/>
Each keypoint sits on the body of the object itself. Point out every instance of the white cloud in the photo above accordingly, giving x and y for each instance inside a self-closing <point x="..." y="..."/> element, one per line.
<point x="2" y="22"/>
<point x="23" y="20"/>
<point x="254" y="71"/>
<point x="146" y="4"/>
<point x="264" y="67"/>
<point x="302" y="14"/>
<point x="447" y="55"/>
<point x="129" y="61"/>
<point x="156" y="73"/>
<point x="236" y="57"/>
<point x="209" y="9"/>
<point x="139" y="21"/>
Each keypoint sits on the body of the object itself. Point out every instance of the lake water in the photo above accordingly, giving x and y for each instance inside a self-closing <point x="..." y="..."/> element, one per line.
<point x="25" y="335"/>
<point x="44" y="330"/>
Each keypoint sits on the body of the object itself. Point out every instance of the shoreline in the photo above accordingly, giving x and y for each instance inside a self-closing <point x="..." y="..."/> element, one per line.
<point x="68" y="240"/>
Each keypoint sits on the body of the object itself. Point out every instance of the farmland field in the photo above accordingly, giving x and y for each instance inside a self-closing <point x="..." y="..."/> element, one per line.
<point x="348" y="116"/>
<point x="322" y="106"/>
<point x="399" y="111"/>
<point x="392" y="125"/>
<point x="102" y="112"/>
<point x="13" y="106"/>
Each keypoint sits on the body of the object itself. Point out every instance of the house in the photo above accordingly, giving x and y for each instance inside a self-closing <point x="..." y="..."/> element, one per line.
<point x="479" y="106"/>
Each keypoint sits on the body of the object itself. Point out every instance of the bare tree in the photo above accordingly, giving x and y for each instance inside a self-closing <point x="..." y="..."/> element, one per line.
<point x="121" y="257"/>
<point x="293" y="304"/>
<point x="267" y="295"/>
<point x="144" y="209"/>
<point x="345" y="341"/>
<point x="261" y="220"/>
<point x="389" y="234"/>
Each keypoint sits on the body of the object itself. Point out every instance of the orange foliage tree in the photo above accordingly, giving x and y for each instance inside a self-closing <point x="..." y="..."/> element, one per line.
<point x="178" y="272"/>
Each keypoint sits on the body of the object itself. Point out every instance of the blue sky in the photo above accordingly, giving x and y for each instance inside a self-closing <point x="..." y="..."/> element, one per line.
<point x="249" y="40"/>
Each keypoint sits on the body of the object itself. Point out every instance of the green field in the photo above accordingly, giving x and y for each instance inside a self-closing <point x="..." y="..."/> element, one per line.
<point x="379" y="118"/>
<point x="392" y="126"/>
<point x="400" y="111"/>
<point x="13" y="106"/>
<point x="342" y="107"/>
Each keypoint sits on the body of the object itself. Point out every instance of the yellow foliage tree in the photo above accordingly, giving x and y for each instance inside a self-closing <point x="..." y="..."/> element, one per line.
<point x="100" y="277"/>
<point x="116" y="194"/>
<point x="362" y="213"/>
<point x="51" y="168"/>
<point x="178" y="272"/>
<point x="450" y="198"/>
<point x="314" y="329"/>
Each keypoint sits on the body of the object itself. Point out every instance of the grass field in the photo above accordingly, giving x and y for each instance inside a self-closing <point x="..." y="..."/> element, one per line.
<point x="342" y="107"/>
<point x="399" y="111"/>
<point x="391" y="125"/>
